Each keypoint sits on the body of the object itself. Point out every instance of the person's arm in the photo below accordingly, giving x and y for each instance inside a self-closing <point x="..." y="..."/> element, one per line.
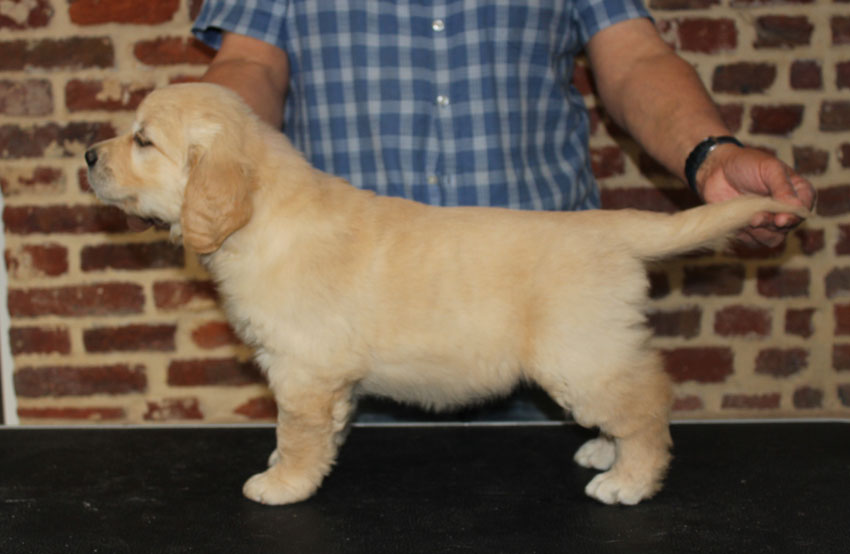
<point x="659" y="99"/>
<point x="257" y="70"/>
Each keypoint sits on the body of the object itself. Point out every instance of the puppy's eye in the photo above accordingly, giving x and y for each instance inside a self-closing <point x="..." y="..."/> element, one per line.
<point x="141" y="141"/>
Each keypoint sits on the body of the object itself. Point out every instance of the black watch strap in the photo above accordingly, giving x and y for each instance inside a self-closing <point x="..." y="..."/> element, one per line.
<point x="700" y="153"/>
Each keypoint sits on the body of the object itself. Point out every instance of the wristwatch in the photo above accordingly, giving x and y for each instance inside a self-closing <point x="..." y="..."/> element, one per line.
<point x="700" y="153"/>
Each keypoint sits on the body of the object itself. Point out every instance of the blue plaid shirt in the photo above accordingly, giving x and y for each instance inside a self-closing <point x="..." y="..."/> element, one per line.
<point x="449" y="102"/>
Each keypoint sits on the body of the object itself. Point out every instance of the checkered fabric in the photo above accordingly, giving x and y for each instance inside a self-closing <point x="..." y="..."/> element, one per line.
<point x="449" y="102"/>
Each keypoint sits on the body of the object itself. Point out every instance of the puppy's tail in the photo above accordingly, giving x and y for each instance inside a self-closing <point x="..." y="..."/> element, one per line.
<point x="663" y="235"/>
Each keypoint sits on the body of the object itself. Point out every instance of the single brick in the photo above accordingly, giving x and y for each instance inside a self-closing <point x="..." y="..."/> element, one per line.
<point x="751" y="401"/>
<point x="835" y="116"/>
<point x="844" y="395"/>
<point x="68" y="53"/>
<point x="31" y="261"/>
<point x="799" y="322"/>
<point x="659" y="284"/>
<point x="742" y="321"/>
<point x="842" y="245"/>
<point x="32" y="97"/>
<point x="173" y="51"/>
<point x="779" y="282"/>
<point x="39" y="340"/>
<point x="174" y="295"/>
<point x="840" y="26"/>
<point x="755" y="252"/>
<point x="812" y="241"/>
<point x="263" y="407"/>
<point x="214" y="334"/>
<point x="19" y="16"/>
<point x="132" y="256"/>
<point x="195" y="8"/>
<point x="838" y="283"/>
<point x="687" y="404"/>
<point x="709" y="36"/>
<point x="51" y="140"/>
<point x="808" y="398"/>
<point x="683" y="322"/>
<point x="844" y="154"/>
<point x="648" y="198"/>
<point x="80" y="381"/>
<point x="213" y="372"/>
<point x="713" y="280"/>
<point x="775" y="120"/>
<point x="130" y="338"/>
<point x="93" y="414"/>
<point x="40" y="180"/>
<point x="583" y="79"/>
<point x="607" y="161"/>
<point x="26" y="220"/>
<point x="700" y="364"/>
<point x="743" y="78"/>
<point x="841" y="357"/>
<point x="779" y="362"/>
<point x="833" y="200"/>
<point x="103" y="95"/>
<point x="96" y="12"/>
<point x="842" y="319"/>
<point x="842" y="75"/>
<point x="174" y="409"/>
<point x="732" y="115"/>
<point x="806" y="75"/>
<point x="73" y="301"/>
<point x="809" y="160"/>
<point x="782" y="31"/>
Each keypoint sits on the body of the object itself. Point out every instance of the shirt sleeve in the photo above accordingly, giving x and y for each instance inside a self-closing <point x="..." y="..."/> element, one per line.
<point x="591" y="16"/>
<point x="260" y="19"/>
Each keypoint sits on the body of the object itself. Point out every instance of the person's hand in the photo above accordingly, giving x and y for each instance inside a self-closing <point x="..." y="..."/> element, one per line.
<point x="731" y="171"/>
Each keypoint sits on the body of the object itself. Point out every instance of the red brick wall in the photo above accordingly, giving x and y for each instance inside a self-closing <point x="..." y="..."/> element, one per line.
<point x="109" y="325"/>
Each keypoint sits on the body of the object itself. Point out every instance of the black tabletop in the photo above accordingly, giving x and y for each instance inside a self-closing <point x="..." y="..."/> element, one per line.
<point x="748" y="488"/>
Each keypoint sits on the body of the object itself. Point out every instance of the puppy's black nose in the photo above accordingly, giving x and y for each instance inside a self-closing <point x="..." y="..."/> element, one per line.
<point x="91" y="156"/>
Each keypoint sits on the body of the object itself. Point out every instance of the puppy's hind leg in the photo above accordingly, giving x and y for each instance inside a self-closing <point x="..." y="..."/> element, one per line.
<point x="633" y="410"/>
<point x="311" y="421"/>
<point x="630" y="406"/>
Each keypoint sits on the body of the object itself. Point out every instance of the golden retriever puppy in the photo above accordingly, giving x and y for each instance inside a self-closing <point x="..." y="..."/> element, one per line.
<point x="343" y="292"/>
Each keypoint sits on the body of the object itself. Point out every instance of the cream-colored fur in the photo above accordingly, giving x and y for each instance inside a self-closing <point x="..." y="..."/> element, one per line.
<point x="342" y="292"/>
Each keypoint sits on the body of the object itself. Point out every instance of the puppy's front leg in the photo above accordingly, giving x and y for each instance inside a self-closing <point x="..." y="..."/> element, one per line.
<point x="310" y="424"/>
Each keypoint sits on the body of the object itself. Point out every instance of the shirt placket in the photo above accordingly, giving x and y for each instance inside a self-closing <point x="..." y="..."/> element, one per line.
<point x="442" y="106"/>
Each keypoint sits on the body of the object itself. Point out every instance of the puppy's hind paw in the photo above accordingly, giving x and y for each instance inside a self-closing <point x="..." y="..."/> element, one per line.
<point x="275" y="488"/>
<point x="597" y="453"/>
<point x="613" y="488"/>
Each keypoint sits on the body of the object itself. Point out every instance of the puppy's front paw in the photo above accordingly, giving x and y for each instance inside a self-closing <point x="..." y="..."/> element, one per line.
<point x="274" y="487"/>
<point x="596" y="454"/>
<point x="614" y="488"/>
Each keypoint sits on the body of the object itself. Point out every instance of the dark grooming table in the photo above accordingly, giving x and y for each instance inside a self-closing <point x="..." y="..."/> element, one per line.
<point x="732" y="488"/>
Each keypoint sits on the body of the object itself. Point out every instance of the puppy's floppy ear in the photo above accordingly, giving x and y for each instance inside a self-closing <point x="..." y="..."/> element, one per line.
<point x="217" y="200"/>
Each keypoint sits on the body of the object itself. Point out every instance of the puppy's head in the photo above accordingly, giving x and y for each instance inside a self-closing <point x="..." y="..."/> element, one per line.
<point x="187" y="162"/>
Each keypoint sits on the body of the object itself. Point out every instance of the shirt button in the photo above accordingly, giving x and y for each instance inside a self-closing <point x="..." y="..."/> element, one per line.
<point x="442" y="100"/>
<point x="438" y="25"/>
<point x="433" y="179"/>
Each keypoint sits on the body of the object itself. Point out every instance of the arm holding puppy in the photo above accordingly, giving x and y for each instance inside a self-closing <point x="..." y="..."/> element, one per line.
<point x="659" y="99"/>
<point x="256" y="70"/>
